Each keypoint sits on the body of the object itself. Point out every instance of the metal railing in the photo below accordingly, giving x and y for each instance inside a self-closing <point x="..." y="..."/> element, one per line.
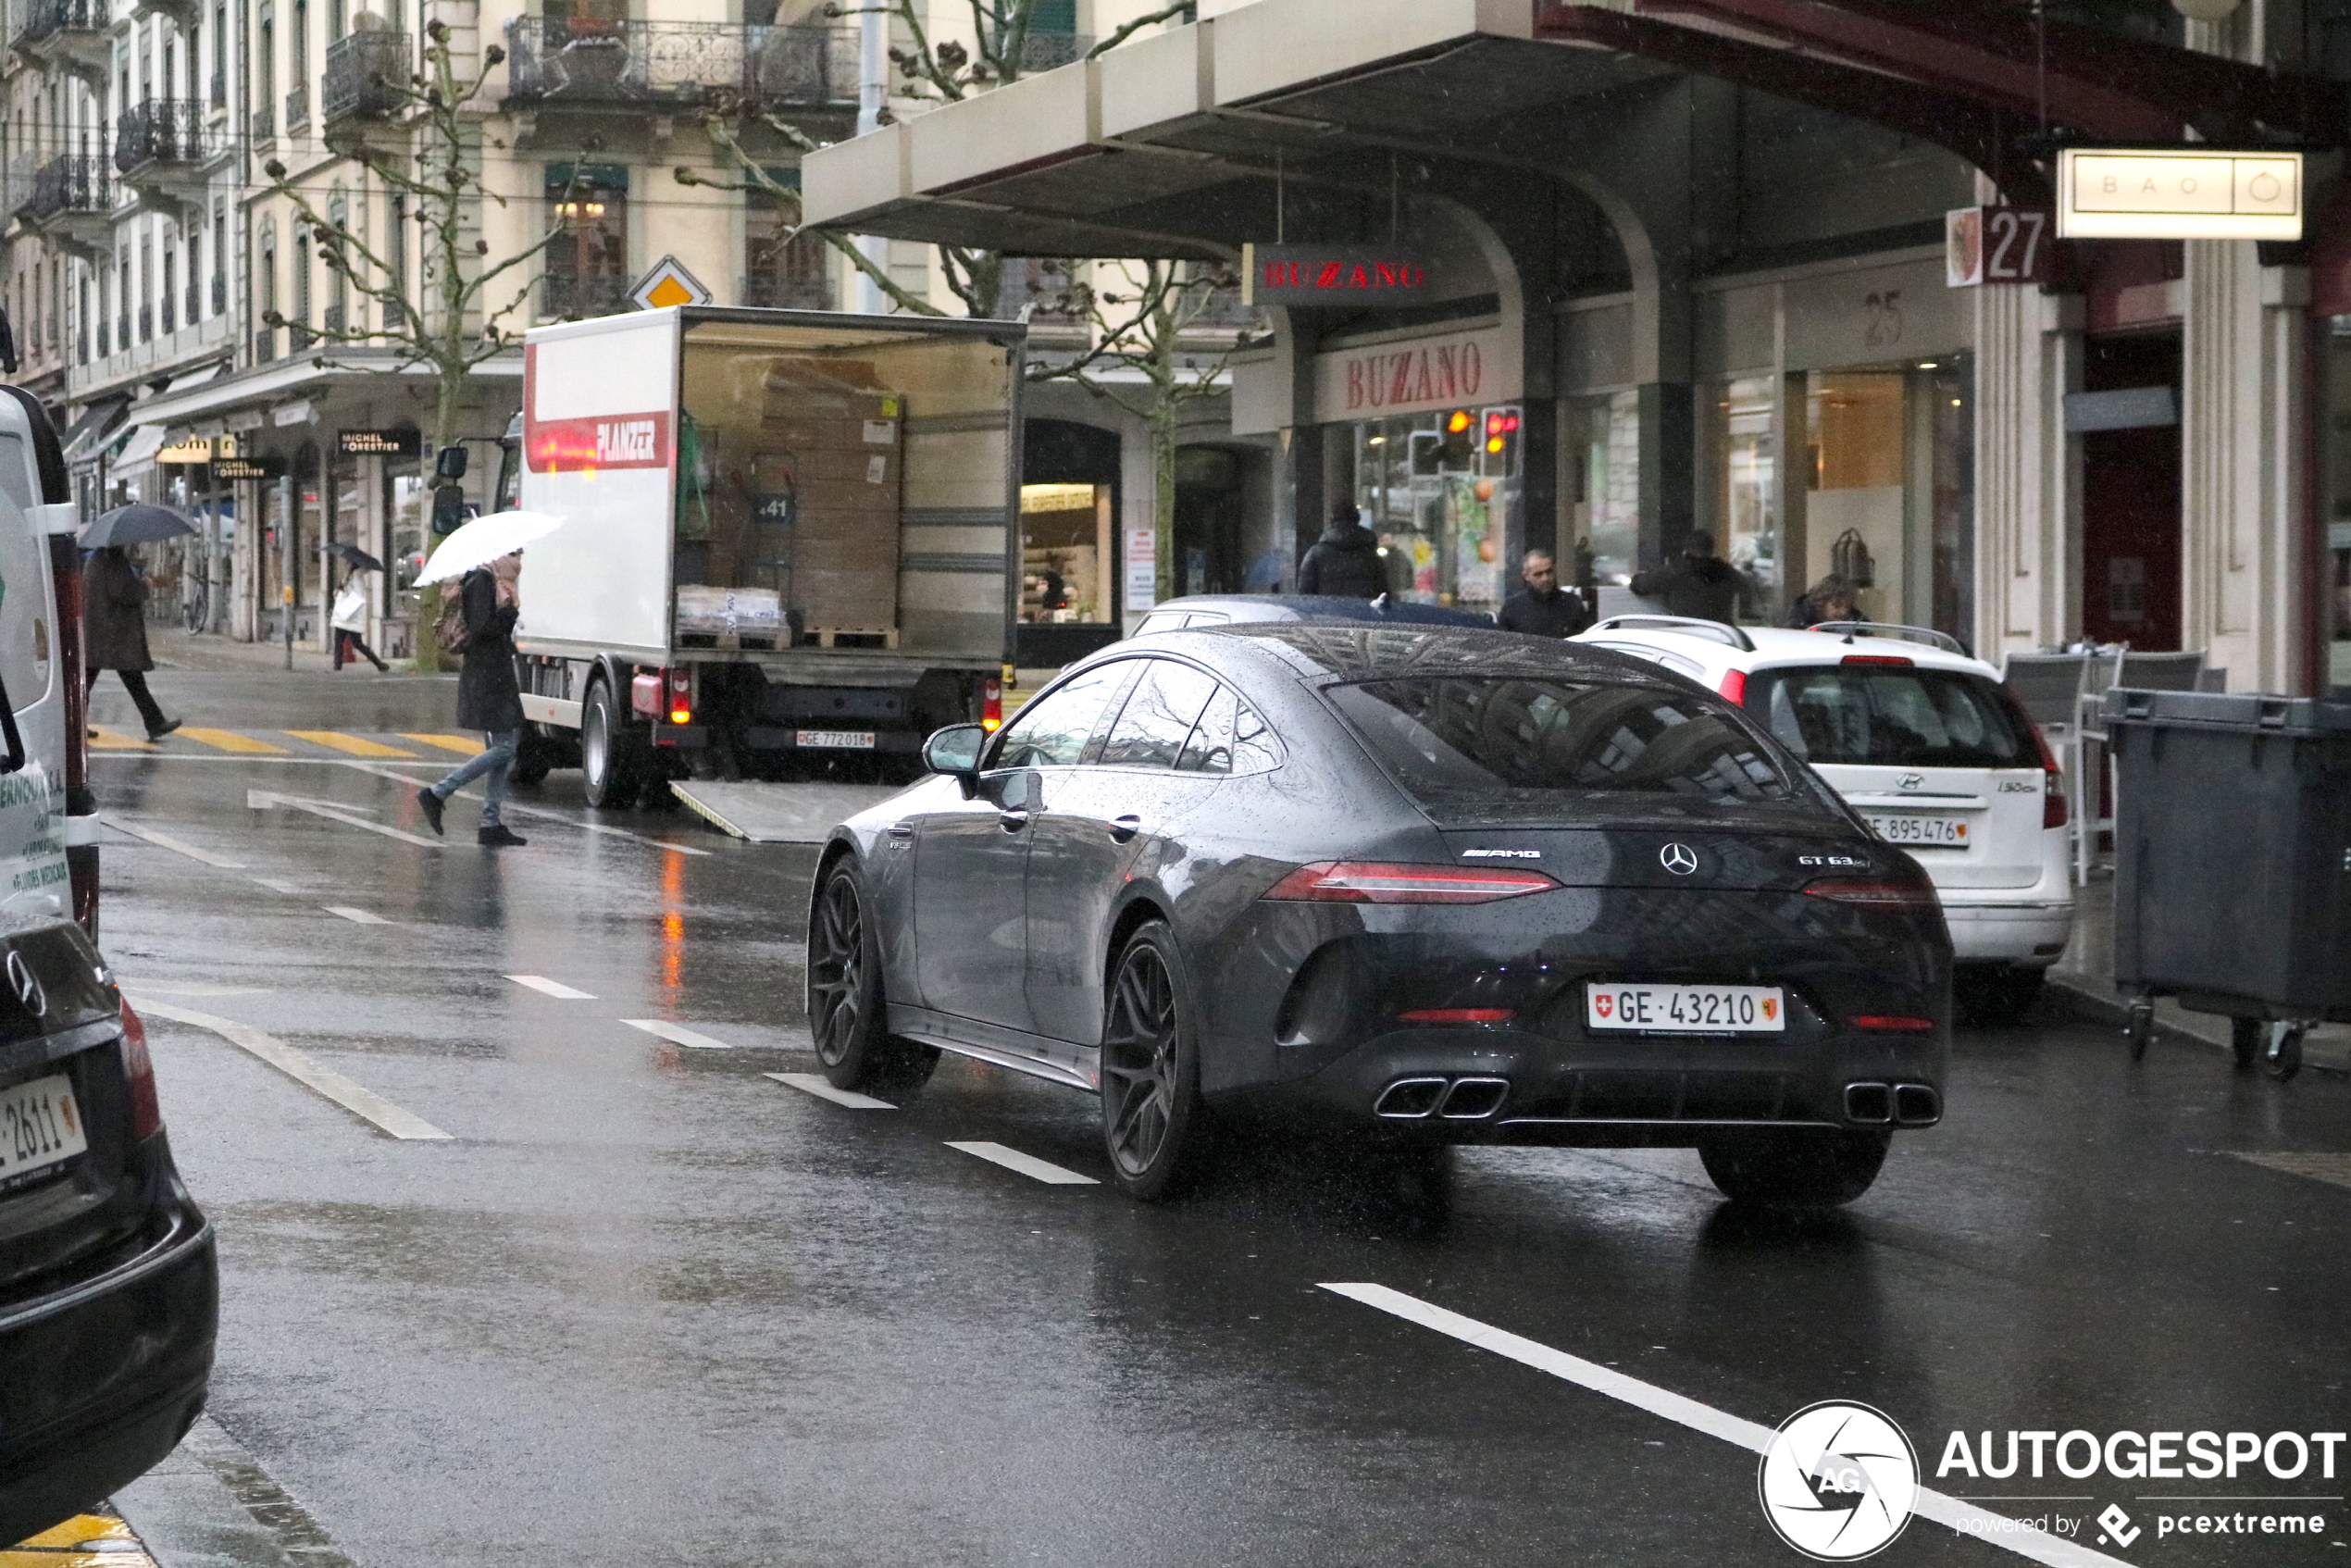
<point x="263" y="126"/>
<point x="365" y="74"/>
<point x="220" y="293"/>
<point x="196" y="303"/>
<point x="166" y="323"/>
<point x="146" y="323"/>
<point x="219" y="95"/>
<point x="264" y="345"/>
<point x="161" y="130"/>
<point x="298" y="107"/>
<point x="74" y="182"/>
<point x="331" y="323"/>
<point x="577" y="60"/>
<point x="46" y="18"/>
<point x="567" y="298"/>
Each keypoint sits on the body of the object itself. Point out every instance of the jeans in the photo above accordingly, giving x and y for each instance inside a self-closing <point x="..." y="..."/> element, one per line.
<point x="496" y="759"/>
<point x="135" y="682"/>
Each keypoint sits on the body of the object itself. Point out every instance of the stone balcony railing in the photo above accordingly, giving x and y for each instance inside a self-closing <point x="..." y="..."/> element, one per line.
<point x="559" y="61"/>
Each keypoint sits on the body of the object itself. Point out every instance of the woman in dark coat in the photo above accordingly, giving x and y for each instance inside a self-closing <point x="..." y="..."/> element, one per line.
<point x="113" y="632"/>
<point x="488" y="699"/>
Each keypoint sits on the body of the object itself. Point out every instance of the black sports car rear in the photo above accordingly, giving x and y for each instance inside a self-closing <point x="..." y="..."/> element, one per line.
<point x="108" y="1294"/>
<point x="1436" y="886"/>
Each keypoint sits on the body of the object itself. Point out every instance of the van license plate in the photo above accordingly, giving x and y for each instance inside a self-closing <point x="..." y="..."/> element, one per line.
<point x="1935" y="832"/>
<point x="837" y="740"/>
<point x="40" y="1126"/>
<point x="1735" y="1010"/>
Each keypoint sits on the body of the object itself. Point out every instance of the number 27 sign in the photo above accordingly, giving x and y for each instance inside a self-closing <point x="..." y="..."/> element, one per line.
<point x="1997" y="245"/>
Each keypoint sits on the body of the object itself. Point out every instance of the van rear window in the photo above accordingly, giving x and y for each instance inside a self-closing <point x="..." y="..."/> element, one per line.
<point x="1892" y="717"/>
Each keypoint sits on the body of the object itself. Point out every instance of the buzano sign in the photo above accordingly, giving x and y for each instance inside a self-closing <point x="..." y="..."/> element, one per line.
<point x="1327" y="276"/>
<point x="1418" y="375"/>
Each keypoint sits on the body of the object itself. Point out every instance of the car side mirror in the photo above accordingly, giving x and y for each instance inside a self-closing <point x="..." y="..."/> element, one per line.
<point x="955" y="750"/>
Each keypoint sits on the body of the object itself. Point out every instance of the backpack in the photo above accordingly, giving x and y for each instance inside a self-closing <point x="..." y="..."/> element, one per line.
<point x="449" y="633"/>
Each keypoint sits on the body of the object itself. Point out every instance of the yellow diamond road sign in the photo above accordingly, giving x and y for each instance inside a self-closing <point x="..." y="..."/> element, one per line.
<point x="668" y="284"/>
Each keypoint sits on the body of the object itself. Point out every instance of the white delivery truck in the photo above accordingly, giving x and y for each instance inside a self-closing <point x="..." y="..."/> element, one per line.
<point x="790" y="542"/>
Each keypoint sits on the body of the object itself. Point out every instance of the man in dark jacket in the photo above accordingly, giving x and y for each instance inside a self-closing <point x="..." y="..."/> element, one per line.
<point x="488" y="699"/>
<point x="1545" y="609"/>
<point x="1700" y="585"/>
<point x="1345" y="563"/>
<point x="113" y="632"/>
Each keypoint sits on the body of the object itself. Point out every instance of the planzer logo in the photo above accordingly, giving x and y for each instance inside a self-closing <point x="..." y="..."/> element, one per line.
<point x="1838" y="1481"/>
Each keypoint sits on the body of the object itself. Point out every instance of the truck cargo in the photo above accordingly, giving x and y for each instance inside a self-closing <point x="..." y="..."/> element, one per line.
<point x="790" y="543"/>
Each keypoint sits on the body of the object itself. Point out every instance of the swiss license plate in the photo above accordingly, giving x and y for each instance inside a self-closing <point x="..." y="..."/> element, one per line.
<point x="40" y="1126"/>
<point x="1935" y="832"/>
<point x="1735" y="1010"/>
<point x="837" y="740"/>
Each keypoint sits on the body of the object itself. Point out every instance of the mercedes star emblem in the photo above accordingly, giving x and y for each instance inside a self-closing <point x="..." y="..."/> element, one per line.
<point x="1680" y="859"/>
<point x="27" y="985"/>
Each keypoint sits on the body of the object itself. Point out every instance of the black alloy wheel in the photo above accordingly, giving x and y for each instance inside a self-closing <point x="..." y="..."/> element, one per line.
<point x="846" y="1014"/>
<point x="1795" y="1167"/>
<point x="1153" y="1125"/>
<point x="610" y="770"/>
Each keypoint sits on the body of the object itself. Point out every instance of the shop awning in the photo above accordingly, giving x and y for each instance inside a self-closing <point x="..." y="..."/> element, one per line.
<point x="89" y="431"/>
<point x="138" y="452"/>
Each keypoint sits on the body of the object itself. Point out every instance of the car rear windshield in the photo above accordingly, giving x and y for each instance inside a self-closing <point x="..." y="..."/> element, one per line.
<point x="1583" y="748"/>
<point x="1891" y="714"/>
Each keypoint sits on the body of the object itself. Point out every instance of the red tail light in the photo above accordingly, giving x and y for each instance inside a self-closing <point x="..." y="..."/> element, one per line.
<point x="1455" y="1016"/>
<point x="681" y="696"/>
<point x="139" y="1071"/>
<point x="2054" y="813"/>
<point x="1877" y="659"/>
<point x="1734" y="687"/>
<point x="1357" y="881"/>
<point x="1892" y="895"/>
<point x="991" y="706"/>
<point x="1896" y="1025"/>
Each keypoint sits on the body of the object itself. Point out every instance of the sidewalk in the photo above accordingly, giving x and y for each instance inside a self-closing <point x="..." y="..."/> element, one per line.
<point x="177" y="649"/>
<point x="2087" y="973"/>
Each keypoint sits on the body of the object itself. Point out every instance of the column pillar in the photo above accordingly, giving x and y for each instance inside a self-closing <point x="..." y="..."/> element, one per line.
<point x="244" y="584"/>
<point x="2028" y="471"/>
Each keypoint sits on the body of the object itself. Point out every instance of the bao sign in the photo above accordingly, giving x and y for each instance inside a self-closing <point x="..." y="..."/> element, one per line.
<point x="1327" y="276"/>
<point x="2163" y="194"/>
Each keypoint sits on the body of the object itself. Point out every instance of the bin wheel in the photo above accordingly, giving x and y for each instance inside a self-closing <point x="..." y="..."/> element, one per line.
<point x="2140" y="1029"/>
<point x="2282" y="1052"/>
<point x="2247" y="1036"/>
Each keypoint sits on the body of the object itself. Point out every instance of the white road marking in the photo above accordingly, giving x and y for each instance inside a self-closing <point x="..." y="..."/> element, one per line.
<point x="553" y="988"/>
<point x="335" y="811"/>
<point x="519" y="809"/>
<point x="809" y="1083"/>
<point x="194" y="988"/>
<point x="359" y="1101"/>
<point x="357" y="917"/>
<point x="1964" y="1517"/>
<point x="1026" y="1164"/>
<point x="676" y="1034"/>
<point x="277" y="884"/>
<point x="163" y="841"/>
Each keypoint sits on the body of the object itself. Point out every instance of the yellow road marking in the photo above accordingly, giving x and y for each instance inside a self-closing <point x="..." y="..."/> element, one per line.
<point x="463" y="746"/>
<point x="230" y="740"/>
<point x="108" y="739"/>
<point x="92" y="1540"/>
<point x="351" y="744"/>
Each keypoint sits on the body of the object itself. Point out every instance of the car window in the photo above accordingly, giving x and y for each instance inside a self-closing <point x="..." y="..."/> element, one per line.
<point x="1159" y="715"/>
<point x="1443" y="738"/>
<point x="1161" y="621"/>
<point x="1891" y="714"/>
<point x="1053" y="730"/>
<point x="1230" y="738"/>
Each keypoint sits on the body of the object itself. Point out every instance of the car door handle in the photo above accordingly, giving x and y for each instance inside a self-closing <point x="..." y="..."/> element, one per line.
<point x="902" y="829"/>
<point x="1012" y="818"/>
<point x="1124" y="827"/>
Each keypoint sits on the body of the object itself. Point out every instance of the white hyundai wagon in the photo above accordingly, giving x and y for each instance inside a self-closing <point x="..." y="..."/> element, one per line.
<point x="1926" y="744"/>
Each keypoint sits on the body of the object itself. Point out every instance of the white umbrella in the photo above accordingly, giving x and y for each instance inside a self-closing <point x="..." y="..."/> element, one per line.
<point x="483" y="540"/>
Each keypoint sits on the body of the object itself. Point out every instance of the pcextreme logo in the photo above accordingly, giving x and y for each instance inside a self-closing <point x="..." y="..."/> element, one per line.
<point x="1838" y="1481"/>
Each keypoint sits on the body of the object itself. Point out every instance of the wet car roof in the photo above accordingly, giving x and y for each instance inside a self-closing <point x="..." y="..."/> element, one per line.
<point x="1360" y="652"/>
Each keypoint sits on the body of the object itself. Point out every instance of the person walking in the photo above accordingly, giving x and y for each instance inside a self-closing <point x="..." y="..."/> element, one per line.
<point x="488" y="699"/>
<point x="1831" y="599"/>
<point x="1543" y="608"/>
<point x="113" y="632"/>
<point x="1345" y="563"/>
<point x="1700" y="585"/>
<point x="351" y="624"/>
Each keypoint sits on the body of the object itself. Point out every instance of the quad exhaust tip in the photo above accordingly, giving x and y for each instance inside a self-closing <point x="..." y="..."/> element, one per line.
<point x="1454" y="1100"/>
<point x="1410" y="1099"/>
<point x="1908" y="1105"/>
<point x="1473" y="1100"/>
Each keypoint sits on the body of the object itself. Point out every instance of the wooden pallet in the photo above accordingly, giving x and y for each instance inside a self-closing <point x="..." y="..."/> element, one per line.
<point x="826" y="635"/>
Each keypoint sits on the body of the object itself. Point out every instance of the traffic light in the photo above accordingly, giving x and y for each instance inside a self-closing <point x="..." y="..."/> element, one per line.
<point x="1499" y="444"/>
<point x="1460" y="422"/>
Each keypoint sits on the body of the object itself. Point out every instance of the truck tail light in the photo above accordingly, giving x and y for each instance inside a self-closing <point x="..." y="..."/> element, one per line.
<point x="1358" y="881"/>
<point x="991" y="706"/>
<point x="139" y="1072"/>
<point x="681" y="697"/>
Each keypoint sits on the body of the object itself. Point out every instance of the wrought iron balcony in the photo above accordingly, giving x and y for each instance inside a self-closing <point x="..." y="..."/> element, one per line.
<point x="196" y="303"/>
<point x="264" y="345"/>
<point x="167" y="322"/>
<point x="146" y="323"/>
<point x="365" y="74"/>
<point x="559" y="60"/>
<point x="161" y="130"/>
<point x="333" y="322"/>
<point x="264" y="124"/>
<point x="75" y="183"/>
<point x="297" y="107"/>
<point x="45" y="20"/>
<point x="568" y="298"/>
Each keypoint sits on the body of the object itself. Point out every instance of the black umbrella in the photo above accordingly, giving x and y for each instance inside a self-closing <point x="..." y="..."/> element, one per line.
<point x="360" y="560"/>
<point x="135" y="523"/>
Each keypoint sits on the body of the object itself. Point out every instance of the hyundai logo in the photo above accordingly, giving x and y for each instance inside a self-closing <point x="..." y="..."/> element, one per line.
<point x="27" y="985"/>
<point x="1680" y="859"/>
<point x="1911" y="780"/>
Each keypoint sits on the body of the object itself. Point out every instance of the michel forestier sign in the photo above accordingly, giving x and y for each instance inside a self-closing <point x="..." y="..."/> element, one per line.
<point x="1361" y="277"/>
<point x="378" y="443"/>
<point x="2168" y="193"/>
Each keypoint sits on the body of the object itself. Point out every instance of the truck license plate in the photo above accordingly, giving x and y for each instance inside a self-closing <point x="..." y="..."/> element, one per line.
<point x="40" y="1126"/>
<point x="1935" y="832"/>
<point x="839" y="739"/>
<point x="1738" y="1010"/>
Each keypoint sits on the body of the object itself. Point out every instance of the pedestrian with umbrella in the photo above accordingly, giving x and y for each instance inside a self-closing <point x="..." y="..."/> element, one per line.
<point x="482" y="560"/>
<point x="114" y="599"/>
<point x="350" y="620"/>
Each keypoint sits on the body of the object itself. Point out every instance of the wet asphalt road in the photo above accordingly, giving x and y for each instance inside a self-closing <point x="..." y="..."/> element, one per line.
<point x="648" y="1305"/>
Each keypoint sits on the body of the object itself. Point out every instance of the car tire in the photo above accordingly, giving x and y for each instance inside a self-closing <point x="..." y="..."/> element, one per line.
<point x="1154" y="1127"/>
<point x="2247" y="1037"/>
<point x="847" y="1016"/>
<point x="534" y="756"/>
<point x="612" y="769"/>
<point x="1998" y="996"/>
<point x="1795" y="1167"/>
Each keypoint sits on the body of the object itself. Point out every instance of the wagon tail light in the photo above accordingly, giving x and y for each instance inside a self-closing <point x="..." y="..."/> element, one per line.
<point x="139" y="1072"/>
<point x="1357" y="881"/>
<point x="1734" y="689"/>
<point x="1893" y="895"/>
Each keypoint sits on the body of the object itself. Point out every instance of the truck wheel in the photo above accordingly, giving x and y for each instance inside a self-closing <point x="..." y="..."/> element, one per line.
<point x="1795" y="1168"/>
<point x="611" y="770"/>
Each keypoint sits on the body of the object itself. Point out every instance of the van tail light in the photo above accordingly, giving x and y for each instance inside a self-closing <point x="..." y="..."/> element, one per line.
<point x="139" y="1072"/>
<point x="1358" y="881"/>
<point x="81" y="860"/>
<point x="1894" y="895"/>
<point x="991" y="706"/>
<point x="1734" y="689"/>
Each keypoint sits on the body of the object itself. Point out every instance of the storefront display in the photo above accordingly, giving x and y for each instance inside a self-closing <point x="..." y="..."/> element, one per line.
<point x="1441" y="490"/>
<point x="1065" y="555"/>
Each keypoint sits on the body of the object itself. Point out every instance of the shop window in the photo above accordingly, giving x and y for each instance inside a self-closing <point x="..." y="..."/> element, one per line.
<point x="1855" y="515"/>
<point x="1600" y="485"/>
<point x="1065" y="553"/>
<point x="1440" y="491"/>
<point x="1743" y="492"/>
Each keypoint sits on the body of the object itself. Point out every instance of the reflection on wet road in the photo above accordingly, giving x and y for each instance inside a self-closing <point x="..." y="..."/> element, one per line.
<point x="658" y="1296"/>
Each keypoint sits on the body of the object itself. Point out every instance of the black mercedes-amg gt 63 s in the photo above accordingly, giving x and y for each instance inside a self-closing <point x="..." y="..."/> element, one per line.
<point x="1433" y="886"/>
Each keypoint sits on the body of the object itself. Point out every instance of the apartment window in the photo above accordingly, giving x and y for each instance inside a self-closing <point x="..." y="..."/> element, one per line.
<point x="300" y="44"/>
<point x="338" y="285"/>
<point x="146" y="290"/>
<point x="266" y="335"/>
<point x="783" y="269"/>
<point x="301" y="289"/>
<point x="219" y="256"/>
<point x="588" y="263"/>
<point x="396" y="258"/>
<point x="166" y="311"/>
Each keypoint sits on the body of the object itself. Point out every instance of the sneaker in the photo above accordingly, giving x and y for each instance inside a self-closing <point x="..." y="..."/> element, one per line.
<point x="165" y="728"/>
<point x="498" y="836"/>
<point x="430" y="805"/>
